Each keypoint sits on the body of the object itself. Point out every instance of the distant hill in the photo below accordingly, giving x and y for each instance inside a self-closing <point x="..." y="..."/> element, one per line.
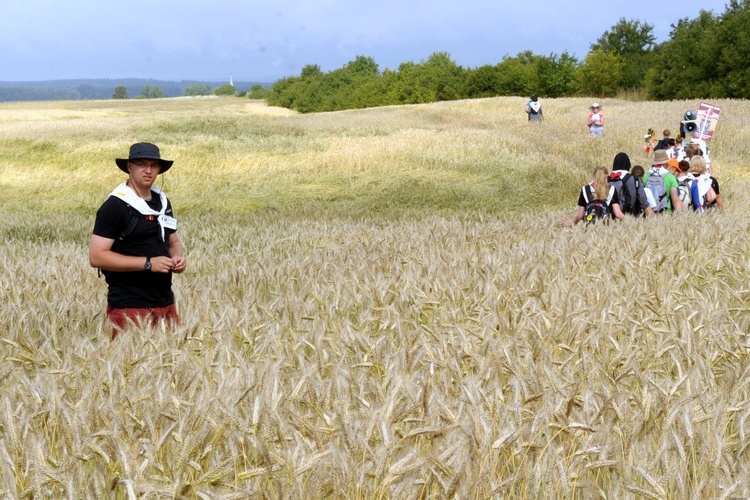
<point x="92" y="89"/>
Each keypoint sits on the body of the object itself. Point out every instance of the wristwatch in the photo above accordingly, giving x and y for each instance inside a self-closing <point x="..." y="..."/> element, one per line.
<point x="147" y="265"/>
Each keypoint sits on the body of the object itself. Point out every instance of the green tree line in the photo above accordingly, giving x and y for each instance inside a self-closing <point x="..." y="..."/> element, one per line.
<point x="705" y="57"/>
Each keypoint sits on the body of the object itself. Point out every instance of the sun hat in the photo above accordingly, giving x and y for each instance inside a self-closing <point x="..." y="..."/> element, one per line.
<point x="660" y="157"/>
<point x="595" y="105"/>
<point x="147" y="151"/>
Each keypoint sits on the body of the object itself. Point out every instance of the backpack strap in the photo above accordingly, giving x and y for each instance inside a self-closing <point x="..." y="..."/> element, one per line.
<point x="129" y="227"/>
<point x="589" y="195"/>
<point x="133" y="216"/>
<point x="637" y="182"/>
<point x="657" y="171"/>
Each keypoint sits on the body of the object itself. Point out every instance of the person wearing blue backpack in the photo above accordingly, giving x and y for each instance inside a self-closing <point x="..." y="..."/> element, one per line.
<point x="702" y="193"/>
<point x="663" y="185"/>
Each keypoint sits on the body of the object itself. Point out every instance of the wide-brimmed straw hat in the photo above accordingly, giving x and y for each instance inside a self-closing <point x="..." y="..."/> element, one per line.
<point x="145" y="151"/>
<point x="595" y="105"/>
<point x="660" y="157"/>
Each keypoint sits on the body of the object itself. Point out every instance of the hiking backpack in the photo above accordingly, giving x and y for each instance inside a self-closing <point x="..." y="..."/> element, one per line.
<point x="684" y="187"/>
<point x="626" y="186"/>
<point x="701" y="187"/>
<point x="658" y="188"/>
<point x="596" y="210"/>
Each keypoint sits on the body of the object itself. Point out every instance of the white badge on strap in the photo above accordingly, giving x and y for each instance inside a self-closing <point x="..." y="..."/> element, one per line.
<point x="168" y="222"/>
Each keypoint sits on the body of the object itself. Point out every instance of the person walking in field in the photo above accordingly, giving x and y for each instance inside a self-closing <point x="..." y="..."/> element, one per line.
<point x="703" y="194"/>
<point x="135" y="243"/>
<point x="534" y="109"/>
<point x="597" y="201"/>
<point x="664" y="141"/>
<point x="596" y="120"/>
<point x="629" y="187"/>
<point x="694" y="152"/>
<point x="677" y="150"/>
<point x="639" y="172"/>
<point x="663" y="185"/>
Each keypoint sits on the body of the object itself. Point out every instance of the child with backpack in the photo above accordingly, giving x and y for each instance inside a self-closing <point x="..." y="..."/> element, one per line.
<point x="684" y="180"/>
<point x="597" y="202"/>
<point x="640" y="173"/>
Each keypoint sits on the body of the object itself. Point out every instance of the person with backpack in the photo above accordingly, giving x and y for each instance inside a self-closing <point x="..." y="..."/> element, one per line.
<point x="534" y="109"/>
<point x="664" y="141"/>
<point x="703" y="195"/>
<point x="135" y="243"/>
<point x="718" y="201"/>
<point x="663" y="185"/>
<point x="597" y="202"/>
<point x="684" y="180"/>
<point x="630" y="189"/>
<point x="700" y="148"/>
<point x="677" y="150"/>
<point x="694" y="149"/>
<point x="639" y="172"/>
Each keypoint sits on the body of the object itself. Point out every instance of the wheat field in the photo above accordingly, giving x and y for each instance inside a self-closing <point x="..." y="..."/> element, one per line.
<point x="378" y="304"/>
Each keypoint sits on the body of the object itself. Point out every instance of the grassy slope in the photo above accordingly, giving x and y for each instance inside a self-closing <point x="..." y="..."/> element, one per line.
<point x="234" y="156"/>
<point x="378" y="303"/>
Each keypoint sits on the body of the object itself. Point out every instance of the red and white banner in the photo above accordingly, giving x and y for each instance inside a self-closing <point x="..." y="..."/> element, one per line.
<point x="708" y="117"/>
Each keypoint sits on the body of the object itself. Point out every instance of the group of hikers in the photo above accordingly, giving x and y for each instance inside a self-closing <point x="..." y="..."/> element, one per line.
<point x="677" y="180"/>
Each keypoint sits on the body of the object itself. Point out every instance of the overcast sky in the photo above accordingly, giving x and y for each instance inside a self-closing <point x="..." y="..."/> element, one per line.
<point x="264" y="41"/>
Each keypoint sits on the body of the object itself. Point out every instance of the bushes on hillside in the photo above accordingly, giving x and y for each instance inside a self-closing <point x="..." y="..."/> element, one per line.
<point x="705" y="57"/>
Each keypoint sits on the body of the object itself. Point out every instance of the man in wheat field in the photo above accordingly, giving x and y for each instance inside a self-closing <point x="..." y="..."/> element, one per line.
<point x="135" y="243"/>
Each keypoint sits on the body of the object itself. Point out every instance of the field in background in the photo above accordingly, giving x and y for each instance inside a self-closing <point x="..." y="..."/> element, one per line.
<point x="235" y="156"/>
<point x="378" y="304"/>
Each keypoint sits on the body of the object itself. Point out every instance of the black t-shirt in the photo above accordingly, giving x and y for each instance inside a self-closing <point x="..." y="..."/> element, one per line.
<point x="138" y="288"/>
<point x="590" y="194"/>
<point x="715" y="185"/>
